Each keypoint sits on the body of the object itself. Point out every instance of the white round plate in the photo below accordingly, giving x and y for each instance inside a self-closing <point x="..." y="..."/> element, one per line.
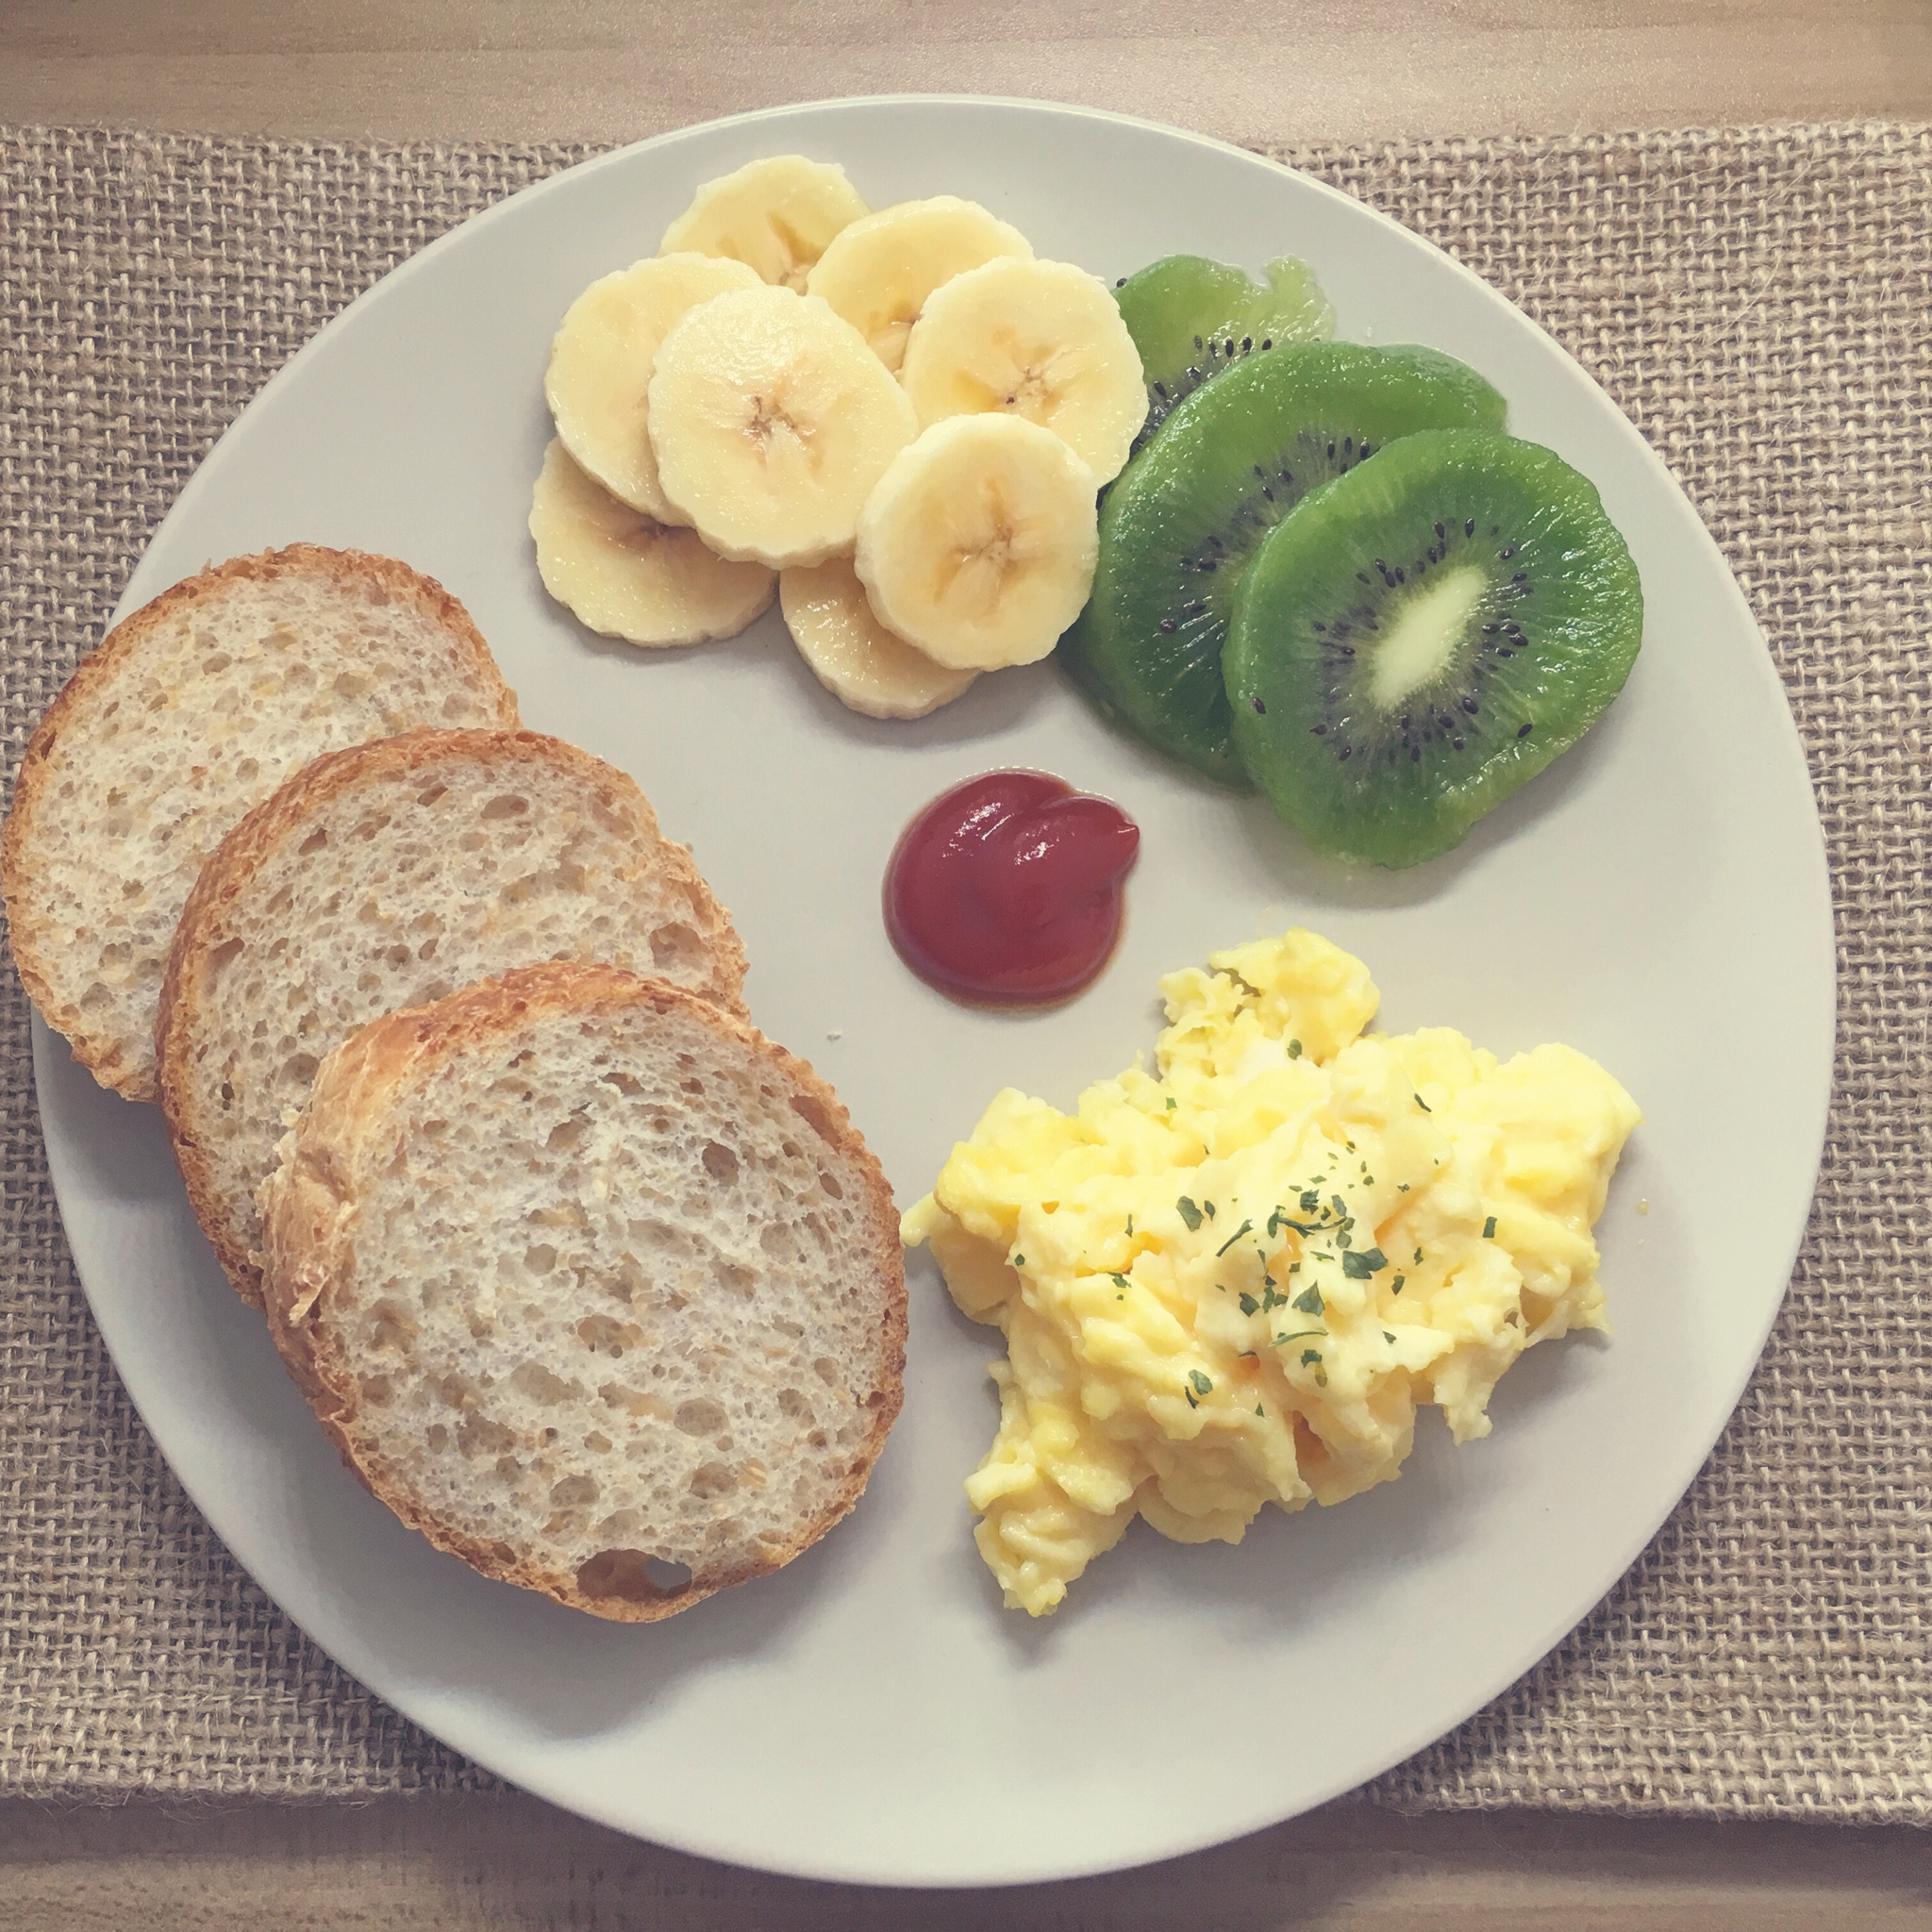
<point x="1658" y="900"/>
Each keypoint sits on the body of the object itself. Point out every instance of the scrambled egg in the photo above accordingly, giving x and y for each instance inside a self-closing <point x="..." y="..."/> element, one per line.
<point x="1232" y="1285"/>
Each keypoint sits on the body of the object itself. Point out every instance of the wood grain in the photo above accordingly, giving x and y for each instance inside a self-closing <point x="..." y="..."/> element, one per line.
<point x="476" y="1864"/>
<point x="1272" y="71"/>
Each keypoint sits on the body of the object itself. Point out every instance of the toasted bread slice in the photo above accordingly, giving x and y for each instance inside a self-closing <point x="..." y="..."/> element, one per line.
<point x="584" y="1277"/>
<point x="387" y="876"/>
<point x="193" y="710"/>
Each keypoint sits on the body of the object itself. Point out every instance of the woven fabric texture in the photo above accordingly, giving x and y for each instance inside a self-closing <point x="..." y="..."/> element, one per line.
<point x="1756" y="300"/>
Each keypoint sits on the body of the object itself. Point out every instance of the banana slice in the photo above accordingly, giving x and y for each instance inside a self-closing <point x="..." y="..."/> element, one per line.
<point x="1041" y="339"/>
<point x="599" y="376"/>
<point x="628" y="575"/>
<point x="772" y="420"/>
<point x="878" y="271"/>
<point x="776" y="214"/>
<point x="979" y="543"/>
<point x="851" y="653"/>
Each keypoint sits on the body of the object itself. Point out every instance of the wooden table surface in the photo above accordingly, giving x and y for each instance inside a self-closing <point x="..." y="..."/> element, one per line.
<point x="598" y="69"/>
<point x="1263" y="70"/>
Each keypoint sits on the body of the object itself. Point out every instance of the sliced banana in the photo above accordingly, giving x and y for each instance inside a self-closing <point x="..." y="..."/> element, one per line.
<point x="979" y="543"/>
<point x="772" y="420"/>
<point x="878" y="273"/>
<point x="776" y="214"/>
<point x="851" y="653"/>
<point x="628" y="575"/>
<point x="599" y="377"/>
<point x="1039" y="340"/>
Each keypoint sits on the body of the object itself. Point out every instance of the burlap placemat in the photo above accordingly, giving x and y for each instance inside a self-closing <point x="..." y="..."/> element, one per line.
<point x="1759" y="301"/>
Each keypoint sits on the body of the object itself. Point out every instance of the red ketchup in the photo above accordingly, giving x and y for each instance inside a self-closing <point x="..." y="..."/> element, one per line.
<point x="1007" y="891"/>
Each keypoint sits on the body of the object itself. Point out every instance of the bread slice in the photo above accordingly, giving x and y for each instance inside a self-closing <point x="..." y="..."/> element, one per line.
<point x="387" y="876"/>
<point x="585" y="1278"/>
<point x="193" y="710"/>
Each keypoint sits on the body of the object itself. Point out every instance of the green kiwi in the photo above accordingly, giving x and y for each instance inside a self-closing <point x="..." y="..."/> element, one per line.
<point x="1191" y="319"/>
<point x="1423" y="636"/>
<point x="1181" y="521"/>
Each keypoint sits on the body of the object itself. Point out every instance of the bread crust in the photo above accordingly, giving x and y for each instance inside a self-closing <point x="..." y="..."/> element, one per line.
<point x="310" y="1221"/>
<point x="105" y="1054"/>
<point x="228" y="870"/>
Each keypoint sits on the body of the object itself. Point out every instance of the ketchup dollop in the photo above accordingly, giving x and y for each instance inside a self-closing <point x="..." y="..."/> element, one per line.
<point x="1007" y="891"/>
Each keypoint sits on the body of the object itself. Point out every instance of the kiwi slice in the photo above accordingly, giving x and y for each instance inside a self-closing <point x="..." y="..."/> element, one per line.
<point x="1423" y="636"/>
<point x="1183" y="518"/>
<point x="1191" y="319"/>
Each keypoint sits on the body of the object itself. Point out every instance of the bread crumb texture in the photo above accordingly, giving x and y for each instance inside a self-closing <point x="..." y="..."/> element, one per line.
<point x="194" y="710"/>
<point x="593" y="1285"/>
<point x="387" y="876"/>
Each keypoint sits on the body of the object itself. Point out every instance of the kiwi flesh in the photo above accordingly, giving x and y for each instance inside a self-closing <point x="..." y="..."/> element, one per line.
<point x="1424" y="634"/>
<point x="1191" y="319"/>
<point x="1182" y="520"/>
